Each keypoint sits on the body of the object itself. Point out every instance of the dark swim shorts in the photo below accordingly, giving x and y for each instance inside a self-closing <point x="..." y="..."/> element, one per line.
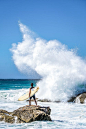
<point x="32" y="97"/>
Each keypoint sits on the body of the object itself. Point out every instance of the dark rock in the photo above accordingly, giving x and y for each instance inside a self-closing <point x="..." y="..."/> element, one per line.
<point x="72" y="99"/>
<point x="4" y="111"/>
<point x="58" y="101"/>
<point x="44" y="100"/>
<point x="47" y="100"/>
<point x="26" y="114"/>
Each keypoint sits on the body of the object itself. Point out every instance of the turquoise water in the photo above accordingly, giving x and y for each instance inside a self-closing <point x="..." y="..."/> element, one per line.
<point x="64" y="115"/>
<point x="8" y="84"/>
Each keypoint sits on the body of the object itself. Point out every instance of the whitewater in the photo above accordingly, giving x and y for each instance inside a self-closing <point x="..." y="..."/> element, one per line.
<point x="64" y="115"/>
<point x="61" y="73"/>
<point x="61" y="69"/>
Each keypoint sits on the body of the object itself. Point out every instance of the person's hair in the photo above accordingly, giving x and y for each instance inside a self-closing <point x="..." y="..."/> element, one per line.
<point x="31" y="84"/>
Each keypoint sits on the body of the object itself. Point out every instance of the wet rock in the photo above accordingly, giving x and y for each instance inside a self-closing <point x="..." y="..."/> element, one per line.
<point x="44" y="100"/>
<point x="4" y="111"/>
<point x="1" y="116"/>
<point x="26" y="114"/>
<point x="47" y="100"/>
<point x="58" y="101"/>
<point x="5" y="115"/>
<point x="9" y="119"/>
<point x="72" y="99"/>
<point x="81" y="98"/>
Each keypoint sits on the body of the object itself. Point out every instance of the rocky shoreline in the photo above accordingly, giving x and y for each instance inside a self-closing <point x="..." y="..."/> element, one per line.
<point x="32" y="113"/>
<point x="26" y="114"/>
<point x="80" y="98"/>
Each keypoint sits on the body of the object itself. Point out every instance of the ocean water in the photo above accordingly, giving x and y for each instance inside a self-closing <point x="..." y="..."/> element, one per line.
<point x="62" y="74"/>
<point x="64" y="115"/>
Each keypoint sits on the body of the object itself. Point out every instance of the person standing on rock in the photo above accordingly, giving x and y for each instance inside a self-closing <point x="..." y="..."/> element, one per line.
<point x="31" y="89"/>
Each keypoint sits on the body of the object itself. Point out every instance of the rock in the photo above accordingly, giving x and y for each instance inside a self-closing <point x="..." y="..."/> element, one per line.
<point x="44" y="100"/>
<point x="5" y="115"/>
<point x="72" y="99"/>
<point x="9" y="119"/>
<point x="81" y="98"/>
<point x="1" y="116"/>
<point x="4" y="111"/>
<point x="47" y="100"/>
<point x="26" y="114"/>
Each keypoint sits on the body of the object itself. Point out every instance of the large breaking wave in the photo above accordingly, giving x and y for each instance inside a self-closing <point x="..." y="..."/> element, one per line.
<point x="61" y="69"/>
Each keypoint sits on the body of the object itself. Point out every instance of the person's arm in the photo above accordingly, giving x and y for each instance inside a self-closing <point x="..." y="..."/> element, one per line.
<point x="29" y="92"/>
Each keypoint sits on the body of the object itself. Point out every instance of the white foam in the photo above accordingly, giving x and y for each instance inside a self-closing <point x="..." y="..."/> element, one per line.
<point x="61" y="69"/>
<point x="11" y="95"/>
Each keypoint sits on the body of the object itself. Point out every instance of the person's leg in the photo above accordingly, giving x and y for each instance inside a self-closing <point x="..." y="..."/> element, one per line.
<point x="34" y="99"/>
<point x="35" y="102"/>
<point x="29" y="102"/>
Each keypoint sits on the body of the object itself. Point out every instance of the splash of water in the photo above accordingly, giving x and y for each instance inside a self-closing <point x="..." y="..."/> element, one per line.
<point x="61" y="69"/>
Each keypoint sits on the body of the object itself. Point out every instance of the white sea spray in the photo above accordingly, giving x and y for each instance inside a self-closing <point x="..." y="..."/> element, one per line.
<point x="61" y="69"/>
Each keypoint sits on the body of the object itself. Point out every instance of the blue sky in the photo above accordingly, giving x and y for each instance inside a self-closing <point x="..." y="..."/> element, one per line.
<point x="64" y="20"/>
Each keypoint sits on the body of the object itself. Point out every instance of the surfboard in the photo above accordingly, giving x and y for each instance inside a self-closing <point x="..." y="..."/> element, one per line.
<point x="26" y="95"/>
